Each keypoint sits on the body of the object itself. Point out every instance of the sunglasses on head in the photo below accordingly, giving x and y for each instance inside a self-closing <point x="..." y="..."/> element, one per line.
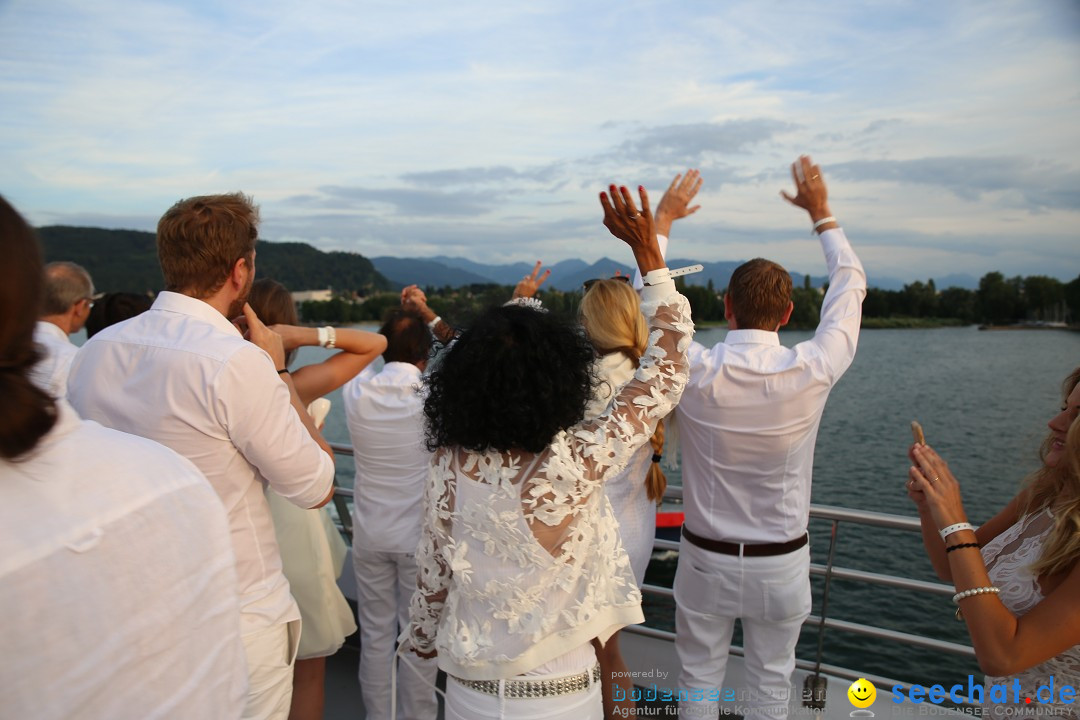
<point x="587" y="285"/>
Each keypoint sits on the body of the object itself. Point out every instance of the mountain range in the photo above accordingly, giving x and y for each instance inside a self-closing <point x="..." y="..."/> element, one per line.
<point x="127" y="260"/>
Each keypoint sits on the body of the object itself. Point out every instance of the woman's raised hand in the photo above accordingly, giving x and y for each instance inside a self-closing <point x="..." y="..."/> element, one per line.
<point x="622" y="218"/>
<point x="529" y="284"/>
<point x="930" y="477"/>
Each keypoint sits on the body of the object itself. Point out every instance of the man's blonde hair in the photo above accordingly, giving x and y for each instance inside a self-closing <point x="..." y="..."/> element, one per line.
<point x="200" y="239"/>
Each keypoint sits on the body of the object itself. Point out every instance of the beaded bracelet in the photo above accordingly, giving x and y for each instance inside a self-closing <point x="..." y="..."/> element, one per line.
<point x="961" y="545"/>
<point x="973" y="592"/>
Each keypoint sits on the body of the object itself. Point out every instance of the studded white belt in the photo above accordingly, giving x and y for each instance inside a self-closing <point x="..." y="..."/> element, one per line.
<point x="535" y="688"/>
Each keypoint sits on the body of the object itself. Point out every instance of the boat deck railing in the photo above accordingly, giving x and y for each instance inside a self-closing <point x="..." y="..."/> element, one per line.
<point x="829" y="571"/>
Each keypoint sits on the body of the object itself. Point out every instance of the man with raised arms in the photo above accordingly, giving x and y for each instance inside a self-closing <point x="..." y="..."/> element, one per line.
<point x="748" y="422"/>
<point x="186" y="376"/>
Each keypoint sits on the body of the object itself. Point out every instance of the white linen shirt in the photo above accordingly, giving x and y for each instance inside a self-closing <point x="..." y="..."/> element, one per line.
<point x="182" y="374"/>
<point x="749" y="417"/>
<point x="117" y="583"/>
<point x="385" y="414"/>
<point x="51" y="372"/>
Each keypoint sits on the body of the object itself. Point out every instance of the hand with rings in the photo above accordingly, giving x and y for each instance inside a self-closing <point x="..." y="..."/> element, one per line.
<point x="810" y="191"/>
<point x="622" y="218"/>
<point x="931" y="482"/>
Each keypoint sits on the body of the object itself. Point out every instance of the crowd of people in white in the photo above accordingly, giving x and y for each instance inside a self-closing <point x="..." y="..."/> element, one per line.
<point x="164" y="551"/>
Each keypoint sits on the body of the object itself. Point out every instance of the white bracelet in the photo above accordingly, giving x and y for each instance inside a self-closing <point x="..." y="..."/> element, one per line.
<point x="657" y="276"/>
<point x="331" y="339"/>
<point x="947" y="531"/>
<point x="824" y="221"/>
<point x="973" y="592"/>
<point x="322" y="336"/>
<point x="434" y="323"/>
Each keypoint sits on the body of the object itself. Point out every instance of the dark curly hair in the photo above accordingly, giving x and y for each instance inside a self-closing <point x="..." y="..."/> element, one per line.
<point x="512" y="380"/>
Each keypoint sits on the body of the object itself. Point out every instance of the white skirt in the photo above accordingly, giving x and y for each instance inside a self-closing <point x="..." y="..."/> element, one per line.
<point x="312" y="555"/>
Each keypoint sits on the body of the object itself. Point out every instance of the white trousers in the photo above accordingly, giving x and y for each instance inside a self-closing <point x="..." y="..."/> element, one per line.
<point x="463" y="703"/>
<point x="385" y="582"/>
<point x="270" y="656"/>
<point x="771" y="595"/>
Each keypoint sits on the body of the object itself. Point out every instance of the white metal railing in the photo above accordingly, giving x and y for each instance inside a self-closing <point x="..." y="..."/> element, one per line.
<point x="835" y="515"/>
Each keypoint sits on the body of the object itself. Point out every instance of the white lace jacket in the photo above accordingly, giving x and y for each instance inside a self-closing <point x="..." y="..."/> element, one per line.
<point x="520" y="559"/>
<point x="1009" y="558"/>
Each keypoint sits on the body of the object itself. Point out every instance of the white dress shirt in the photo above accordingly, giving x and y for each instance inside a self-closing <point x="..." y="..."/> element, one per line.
<point x="749" y="417"/>
<point x="385" y="413"/>
<point x="117" y="583"/>
<point x="51" y="372"/>
<point x="181" y="374"/>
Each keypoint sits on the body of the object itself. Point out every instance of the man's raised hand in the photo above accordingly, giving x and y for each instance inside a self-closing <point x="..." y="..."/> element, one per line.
<point x="810" y="192"/>
<point x="264" y="337"/>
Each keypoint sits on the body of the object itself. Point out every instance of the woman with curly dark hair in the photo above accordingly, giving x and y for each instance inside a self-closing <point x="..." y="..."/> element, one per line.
<point x="520" y="563"/>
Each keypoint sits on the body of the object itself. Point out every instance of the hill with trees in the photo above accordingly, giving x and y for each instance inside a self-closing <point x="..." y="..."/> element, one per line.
<point x="126" y="260"/>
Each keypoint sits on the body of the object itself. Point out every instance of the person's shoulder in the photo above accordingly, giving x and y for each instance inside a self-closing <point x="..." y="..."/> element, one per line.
<point x="133" y="452"/>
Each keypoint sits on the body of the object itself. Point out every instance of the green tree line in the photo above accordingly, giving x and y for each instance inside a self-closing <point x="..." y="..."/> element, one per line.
<point x="998" y="300"/>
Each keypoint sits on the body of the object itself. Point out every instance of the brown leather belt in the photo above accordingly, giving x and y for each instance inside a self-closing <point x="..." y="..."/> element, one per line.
<point x="730" y="548"/>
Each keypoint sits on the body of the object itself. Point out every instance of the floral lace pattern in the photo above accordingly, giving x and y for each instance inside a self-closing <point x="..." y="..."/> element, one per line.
<point x="1009" y="558"/>
<point x="520" y="558"/>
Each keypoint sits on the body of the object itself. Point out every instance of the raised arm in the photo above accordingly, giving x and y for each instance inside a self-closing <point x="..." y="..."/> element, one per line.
<point x="358" y="349"/>
<point x="1004" y="644"/>
<point x="528" y="285"/>
<point x="841" y="311"/>
<point x="265" y="433"/>
<point x="674" y="205"/>
<point x="605" y="443"/>
<point x="414" y="299"/>
<point x="636" y="229"/>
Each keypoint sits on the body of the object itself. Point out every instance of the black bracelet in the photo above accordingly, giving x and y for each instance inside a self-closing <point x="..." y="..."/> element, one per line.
<point x="657" y="457"/>
<point x="283" y="371"/>
<point x="961" y="545"/>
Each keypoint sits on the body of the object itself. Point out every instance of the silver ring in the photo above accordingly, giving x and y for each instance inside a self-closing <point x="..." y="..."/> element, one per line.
<point x="635" y="216"/>
<point x="934" y="479"/>
<point x="814" y="177"/>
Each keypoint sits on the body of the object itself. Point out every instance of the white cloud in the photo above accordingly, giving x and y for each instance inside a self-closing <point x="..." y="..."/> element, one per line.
<point x="946" y="130"/>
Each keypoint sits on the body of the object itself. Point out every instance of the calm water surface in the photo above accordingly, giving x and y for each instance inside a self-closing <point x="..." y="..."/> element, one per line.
<point x="983" y="398"/>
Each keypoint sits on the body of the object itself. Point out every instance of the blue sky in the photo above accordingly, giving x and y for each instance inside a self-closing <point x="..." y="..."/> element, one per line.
<point x="949" y="133"/>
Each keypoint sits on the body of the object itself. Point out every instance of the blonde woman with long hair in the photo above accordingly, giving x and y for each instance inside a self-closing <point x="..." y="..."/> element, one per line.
<point x="611" y="315"/>
<point x="1017" y="577"/>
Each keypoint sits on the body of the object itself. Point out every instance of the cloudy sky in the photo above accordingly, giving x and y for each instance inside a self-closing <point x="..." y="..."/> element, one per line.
<point x="949" y="132"/>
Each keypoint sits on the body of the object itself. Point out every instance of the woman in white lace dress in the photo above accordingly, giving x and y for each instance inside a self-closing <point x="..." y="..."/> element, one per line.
<point x="520" y="563"/>
<point x="1019" y="595"/>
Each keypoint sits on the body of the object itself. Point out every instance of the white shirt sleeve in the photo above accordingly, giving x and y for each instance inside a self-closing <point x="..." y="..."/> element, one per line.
<point x="255" y="407"/>
<point x="837" y="333"/>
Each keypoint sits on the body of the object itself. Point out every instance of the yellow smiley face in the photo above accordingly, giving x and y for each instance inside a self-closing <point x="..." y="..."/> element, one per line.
<point x="862" y="693"/>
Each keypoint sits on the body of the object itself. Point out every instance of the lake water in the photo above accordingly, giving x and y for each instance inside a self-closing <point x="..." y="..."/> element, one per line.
<point x="983" y="398"/>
